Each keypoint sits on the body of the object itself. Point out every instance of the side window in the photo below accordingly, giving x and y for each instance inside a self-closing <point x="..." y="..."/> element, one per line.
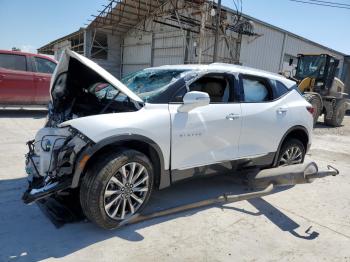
<point x="256" y="89"/>
<point x="279" y="88"/>
<point x="13" y="62"/>
<point x="217" y="86"/>
<point x="44" y="65"/>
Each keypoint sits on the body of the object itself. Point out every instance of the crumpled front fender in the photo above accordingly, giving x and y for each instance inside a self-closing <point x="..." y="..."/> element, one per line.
<point x="91" y="150"/>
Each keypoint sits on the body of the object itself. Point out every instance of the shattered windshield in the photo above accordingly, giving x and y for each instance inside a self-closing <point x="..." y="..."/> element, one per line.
<point x="149" y="83"/>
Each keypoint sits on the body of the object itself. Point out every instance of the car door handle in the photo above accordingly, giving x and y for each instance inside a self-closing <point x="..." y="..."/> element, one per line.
<point x="39" y="79"/>
<point x="282" y="110"/>
<point x="232" y="116"/>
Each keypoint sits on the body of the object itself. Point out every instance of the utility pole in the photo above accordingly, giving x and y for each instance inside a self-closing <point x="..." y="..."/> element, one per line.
<point x="217" y="29"/>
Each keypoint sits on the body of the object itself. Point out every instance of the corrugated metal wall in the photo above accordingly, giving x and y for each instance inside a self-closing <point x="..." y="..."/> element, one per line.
<point x="170" y="45"/>
<point x="137" y="52"/>
<point x="226" y="49"/>
<point x="168" y="48"/>
<point x="269" y="51"/>
<point x="165" y="46"/>
<point x="263" y="52"/>
<point x="296" y="46"/>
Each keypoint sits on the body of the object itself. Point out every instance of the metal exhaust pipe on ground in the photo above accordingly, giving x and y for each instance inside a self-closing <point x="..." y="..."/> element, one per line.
<point x="266" y="179"/>
<point x="289" y="175"/>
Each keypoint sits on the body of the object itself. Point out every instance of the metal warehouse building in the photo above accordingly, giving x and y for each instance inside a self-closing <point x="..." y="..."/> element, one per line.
<point x="129" y="35"/>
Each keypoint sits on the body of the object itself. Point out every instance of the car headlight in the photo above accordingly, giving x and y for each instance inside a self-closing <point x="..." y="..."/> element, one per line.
<point x="46" y="145"/>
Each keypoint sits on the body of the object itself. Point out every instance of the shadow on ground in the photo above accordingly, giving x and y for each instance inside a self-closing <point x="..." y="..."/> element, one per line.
<point x="23" y="113"/>
<point x="26" y="234"/>
<point x="281" y="220"/>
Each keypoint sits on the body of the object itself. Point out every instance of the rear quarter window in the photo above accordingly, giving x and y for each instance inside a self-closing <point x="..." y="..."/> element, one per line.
<point x="279" y="88"/>
<point x="256" y="89"/>
<point x="13" y="62"/>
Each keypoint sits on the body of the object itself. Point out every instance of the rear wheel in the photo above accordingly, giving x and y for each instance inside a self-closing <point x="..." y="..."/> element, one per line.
<point x="292" y="152"/>
<point x="117" y="188"/>
<point x="338" y="114"/>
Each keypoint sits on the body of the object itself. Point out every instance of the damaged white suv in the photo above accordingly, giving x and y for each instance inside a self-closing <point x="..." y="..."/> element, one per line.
<point x="119" y="141"/>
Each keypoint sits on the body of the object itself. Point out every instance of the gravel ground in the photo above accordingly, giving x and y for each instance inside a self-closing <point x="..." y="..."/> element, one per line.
<point x="304" y="223"/>
<point x="332" y="144"/>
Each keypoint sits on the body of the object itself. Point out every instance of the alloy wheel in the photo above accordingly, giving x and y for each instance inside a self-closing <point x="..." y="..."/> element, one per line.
<point x="292" y="155"/>
<point x="126" y="191"/>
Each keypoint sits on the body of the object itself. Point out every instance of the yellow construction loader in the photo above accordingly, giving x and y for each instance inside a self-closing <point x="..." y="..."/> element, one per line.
<point x="315" y="76"/>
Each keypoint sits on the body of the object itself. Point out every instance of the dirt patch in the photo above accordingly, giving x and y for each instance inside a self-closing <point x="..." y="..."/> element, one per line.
<point x="344" y="130"/>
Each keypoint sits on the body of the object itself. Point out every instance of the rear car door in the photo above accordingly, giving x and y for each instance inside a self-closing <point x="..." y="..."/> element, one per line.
<point x="16" y="81"/>
<point x="206" y="135"/>
<point x="265" y="116"/>
<point x="42" y="77"/>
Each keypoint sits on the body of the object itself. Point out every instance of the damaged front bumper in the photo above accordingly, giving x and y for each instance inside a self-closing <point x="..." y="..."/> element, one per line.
<point x="52" y="161"/>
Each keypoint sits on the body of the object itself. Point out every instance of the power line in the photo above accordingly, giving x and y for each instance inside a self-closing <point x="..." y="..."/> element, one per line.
<point x="320" y="4"/>
<point x="333" y="3"/>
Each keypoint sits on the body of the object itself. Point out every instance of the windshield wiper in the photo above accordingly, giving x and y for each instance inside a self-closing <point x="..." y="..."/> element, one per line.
<point x="110" y="102"/>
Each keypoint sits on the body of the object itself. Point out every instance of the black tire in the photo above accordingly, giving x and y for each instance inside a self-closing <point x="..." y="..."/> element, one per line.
<point x="288" y="145"/>
<point x="98" y="177"/>
<point x="338" y="114"/>
<point x="316" y="103"/>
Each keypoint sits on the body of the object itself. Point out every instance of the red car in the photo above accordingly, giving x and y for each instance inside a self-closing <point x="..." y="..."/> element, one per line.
<point x="25" y="78"/>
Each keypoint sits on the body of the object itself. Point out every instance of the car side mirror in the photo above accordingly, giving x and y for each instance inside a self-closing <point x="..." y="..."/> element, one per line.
<point x="193" y="100"/>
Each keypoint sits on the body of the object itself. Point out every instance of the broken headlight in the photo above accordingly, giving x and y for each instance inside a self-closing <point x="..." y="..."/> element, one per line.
<point x="51" y="160"/>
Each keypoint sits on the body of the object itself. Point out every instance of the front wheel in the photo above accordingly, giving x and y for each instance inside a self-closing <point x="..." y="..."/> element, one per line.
<point x="116" y="188"/>
<point x="292" y="152"/>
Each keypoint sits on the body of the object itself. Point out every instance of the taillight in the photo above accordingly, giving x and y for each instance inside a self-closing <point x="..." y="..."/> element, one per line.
<point x="311" y="109"/>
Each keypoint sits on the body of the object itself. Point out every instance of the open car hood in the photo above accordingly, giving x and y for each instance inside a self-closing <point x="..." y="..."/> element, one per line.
<point x="64" y="65"/>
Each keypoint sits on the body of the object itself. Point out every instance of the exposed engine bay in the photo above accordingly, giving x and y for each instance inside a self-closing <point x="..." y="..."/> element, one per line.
<point x="77" y="91"/>
<point x="81" y="91"/>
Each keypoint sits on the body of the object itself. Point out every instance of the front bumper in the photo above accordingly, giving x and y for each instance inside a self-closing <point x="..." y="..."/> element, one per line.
<point x="51" y="161"/>
<point x="33" y="194"/>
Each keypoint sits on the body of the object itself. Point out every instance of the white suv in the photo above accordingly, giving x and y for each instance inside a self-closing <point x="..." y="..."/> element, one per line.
<point x="119" y="141"/>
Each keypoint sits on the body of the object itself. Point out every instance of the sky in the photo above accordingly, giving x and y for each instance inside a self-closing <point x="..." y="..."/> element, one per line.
<point x="30" y="24"/>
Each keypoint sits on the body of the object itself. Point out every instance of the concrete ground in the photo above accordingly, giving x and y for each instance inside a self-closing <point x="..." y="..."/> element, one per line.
<point x="304" y="223"/>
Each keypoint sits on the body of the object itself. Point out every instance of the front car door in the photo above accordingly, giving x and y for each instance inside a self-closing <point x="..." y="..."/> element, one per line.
<point x="208" y="135"/>
<point x="264" y="118"/>
<point x="16" y="80"/>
